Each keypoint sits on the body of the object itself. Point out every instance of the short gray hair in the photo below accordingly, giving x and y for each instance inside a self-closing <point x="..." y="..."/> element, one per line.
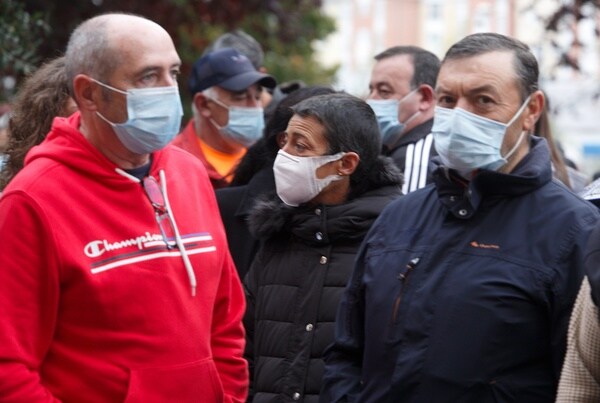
<point x="525" y="63"/>
<point x="243" y="43"/>
<point x="89" y="51"/>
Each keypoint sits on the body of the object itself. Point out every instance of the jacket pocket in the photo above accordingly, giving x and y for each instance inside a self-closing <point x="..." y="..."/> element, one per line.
<point x="191" y="382"/>
<point x="402" y="283"/>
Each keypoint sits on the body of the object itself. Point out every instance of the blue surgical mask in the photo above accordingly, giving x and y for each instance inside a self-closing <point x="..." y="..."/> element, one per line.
<point x="387" y="112"/>
<point x="153" y="118"/>
<point x="467" y="142"/>
<point x="245" y="125"/>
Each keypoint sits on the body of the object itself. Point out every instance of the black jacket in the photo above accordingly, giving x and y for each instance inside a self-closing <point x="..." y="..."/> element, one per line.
<point x="235" y="204"/>
<point x="295" y="283"/>
<point x="412" y="153"/>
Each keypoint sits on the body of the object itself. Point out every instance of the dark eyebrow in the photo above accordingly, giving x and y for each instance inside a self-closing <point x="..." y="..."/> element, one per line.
<point x="476" y="90"/>
<point x="484" y="88"/>
<point x="297" y="135"/>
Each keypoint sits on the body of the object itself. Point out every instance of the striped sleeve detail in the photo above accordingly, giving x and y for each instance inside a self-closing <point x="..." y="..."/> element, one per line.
<point x="415" y="166"/>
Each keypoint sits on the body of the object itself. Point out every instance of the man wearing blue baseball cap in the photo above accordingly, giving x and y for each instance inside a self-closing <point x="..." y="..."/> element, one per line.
<point x="228" y="115"/>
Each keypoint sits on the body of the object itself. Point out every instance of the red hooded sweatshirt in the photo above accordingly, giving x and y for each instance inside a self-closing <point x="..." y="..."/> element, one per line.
<point x="93" y="305"/>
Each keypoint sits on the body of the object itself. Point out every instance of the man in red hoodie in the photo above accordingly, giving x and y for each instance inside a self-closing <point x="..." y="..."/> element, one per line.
<point x="115" y="279"/>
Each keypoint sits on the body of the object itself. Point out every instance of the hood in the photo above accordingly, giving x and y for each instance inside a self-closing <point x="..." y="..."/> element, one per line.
<point x="321" y="224"/>
<point x="350" y="220"/>
<point x="67" y="146"/>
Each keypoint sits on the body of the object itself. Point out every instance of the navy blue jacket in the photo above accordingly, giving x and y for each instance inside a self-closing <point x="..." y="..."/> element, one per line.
<point x="462" y="291"/>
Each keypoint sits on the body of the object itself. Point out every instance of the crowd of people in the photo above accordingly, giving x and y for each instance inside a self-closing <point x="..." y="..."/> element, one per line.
<point x="291" y="242"/>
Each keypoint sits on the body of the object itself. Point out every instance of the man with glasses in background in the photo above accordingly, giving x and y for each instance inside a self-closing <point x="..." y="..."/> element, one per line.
<point x="115" y="279"/>
<point x="228" y="114"/>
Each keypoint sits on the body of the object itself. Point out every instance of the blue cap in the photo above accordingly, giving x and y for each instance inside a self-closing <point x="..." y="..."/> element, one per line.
<point x="226" y="68"/>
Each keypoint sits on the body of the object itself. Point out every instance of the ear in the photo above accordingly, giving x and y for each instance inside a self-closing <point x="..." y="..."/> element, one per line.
<point x="534" y="109"/>
<point x="348" y="163"/>
<point x="281" y="139"/>
<point x="201" y="103"/>
<point x="86" y="93"/>
<point x="427" y="97"/>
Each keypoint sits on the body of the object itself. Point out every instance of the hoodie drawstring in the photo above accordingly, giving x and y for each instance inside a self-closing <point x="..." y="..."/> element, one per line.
<point x="186" y="260"/>
<point x="180" y="245"/>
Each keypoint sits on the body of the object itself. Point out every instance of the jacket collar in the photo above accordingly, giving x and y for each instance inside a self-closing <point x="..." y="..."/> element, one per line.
<point x="412" y="136"/>
<point x="269" y="215"/>
<point x="463" y="198"/>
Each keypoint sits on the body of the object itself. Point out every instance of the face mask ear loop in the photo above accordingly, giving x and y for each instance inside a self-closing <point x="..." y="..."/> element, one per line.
<point x="519" y="112"/>
<point x="186" y="260"/>
<point x="331" y="158"/>
<point x="414" y="116"/>
<point x="221" y="104"/>
<point x="417" y="113"/>
<point x="512" y="150"/>
<point x="109" y="87"/>
<point x="521" y="109"/>
<point x="411" y="93"/>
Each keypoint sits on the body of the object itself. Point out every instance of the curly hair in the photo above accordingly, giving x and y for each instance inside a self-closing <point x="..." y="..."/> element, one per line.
<point x="41" y="98"/>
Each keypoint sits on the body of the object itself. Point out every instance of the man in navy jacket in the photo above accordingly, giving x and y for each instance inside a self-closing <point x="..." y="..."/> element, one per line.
<point x="462" y="290"/>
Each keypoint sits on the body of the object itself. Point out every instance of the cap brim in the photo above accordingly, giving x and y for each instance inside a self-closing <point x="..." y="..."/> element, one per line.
<point x="245" y="80"/>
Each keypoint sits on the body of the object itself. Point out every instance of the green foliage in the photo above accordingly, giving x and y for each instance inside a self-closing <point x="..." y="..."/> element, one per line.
<point x="286" y="29"/>
<point x="291" y="59"/>
<point x="21" y="33"/>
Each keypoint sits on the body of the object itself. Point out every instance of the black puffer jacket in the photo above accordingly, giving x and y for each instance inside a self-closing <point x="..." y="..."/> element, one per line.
<point x="295" y="283"/>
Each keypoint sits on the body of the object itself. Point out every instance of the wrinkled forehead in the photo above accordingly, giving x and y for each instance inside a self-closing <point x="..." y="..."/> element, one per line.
<point x="496" y="69"/>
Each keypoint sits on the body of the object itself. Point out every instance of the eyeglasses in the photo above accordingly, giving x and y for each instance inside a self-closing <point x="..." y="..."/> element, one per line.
<point x="164" y="220"/>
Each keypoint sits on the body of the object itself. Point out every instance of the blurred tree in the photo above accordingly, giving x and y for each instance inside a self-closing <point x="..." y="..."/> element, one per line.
<point x="286" y="29"/>
<point x="564" y="22"/>
<point x="21" y="34"/>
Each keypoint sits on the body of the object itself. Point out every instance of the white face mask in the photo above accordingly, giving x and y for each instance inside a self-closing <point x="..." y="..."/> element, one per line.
<point x="296" y="177"/>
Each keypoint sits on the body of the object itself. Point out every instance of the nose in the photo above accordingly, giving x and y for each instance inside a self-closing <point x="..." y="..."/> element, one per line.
<point x="463" y="103"/>
<point x="168" y="80"/>
<point x="172" y="82"/>
<point x="373" y="94"/>
<point x="253" y="102"/>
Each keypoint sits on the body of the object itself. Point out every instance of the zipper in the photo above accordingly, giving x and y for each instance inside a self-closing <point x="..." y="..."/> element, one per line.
<point x="403" y="277"/>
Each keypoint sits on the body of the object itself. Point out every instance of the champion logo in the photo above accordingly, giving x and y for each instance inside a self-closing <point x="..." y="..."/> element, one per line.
<point x="147" y="247"/>
<point x="476" y="244"/>
<point x="98" y="247"/>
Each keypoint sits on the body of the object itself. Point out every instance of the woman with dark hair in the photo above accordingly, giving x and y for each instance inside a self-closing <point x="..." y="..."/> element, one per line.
<point x="331" y="183"/>
<point x="43" y="96"/>
<point x="254" y="177"/>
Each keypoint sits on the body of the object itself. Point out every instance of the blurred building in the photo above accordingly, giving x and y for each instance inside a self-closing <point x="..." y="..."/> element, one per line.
<point x="366" y="27"/>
